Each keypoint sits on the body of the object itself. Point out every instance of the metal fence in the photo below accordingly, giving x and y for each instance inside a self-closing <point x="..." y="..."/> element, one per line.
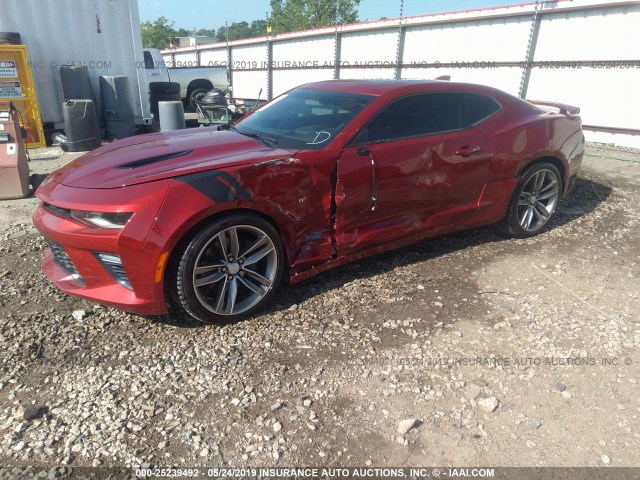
<point x="580" y="52"/>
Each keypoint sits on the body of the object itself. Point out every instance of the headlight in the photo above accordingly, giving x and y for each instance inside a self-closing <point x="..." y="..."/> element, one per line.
<point x="101" y="219"/>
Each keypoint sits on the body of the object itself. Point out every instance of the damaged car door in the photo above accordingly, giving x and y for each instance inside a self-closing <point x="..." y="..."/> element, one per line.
<point x="419" y="164"/>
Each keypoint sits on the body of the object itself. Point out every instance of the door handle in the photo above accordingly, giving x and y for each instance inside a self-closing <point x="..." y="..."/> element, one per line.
<point x="363" y="152"/>
<point x="467" y="151"/>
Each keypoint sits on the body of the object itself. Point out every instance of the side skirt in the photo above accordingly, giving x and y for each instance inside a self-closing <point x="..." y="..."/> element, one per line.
<point x="492" y="207"/>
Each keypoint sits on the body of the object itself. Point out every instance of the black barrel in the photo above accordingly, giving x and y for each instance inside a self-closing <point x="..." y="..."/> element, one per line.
<point x="81" y="125"/>
<point x="76" y="83"/>
<point x="117" y="106"/>
<point x="11" y="38"/>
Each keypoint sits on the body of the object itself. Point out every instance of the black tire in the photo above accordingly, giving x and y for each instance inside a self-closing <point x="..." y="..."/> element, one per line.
<point x="164" y="87"/>
<point x="194" y="93"/>
<point x="11" y="38"/>
<point x="532" y="206"/>
<point x="35" y="180"/>
<point x="234" y="288"/>
<point x="164" y="97"/>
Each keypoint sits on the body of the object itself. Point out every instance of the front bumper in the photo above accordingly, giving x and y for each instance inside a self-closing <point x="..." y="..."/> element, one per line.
<point x="76" y="267"/>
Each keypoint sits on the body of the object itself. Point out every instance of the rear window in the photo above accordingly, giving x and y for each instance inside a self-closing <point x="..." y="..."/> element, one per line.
<point x="149" y="64"/>
<point x="479" y="107"/>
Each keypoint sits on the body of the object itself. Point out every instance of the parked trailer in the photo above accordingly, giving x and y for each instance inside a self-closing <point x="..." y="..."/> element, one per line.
<point x="104" y="35"/>
<point x="583" y="52"/>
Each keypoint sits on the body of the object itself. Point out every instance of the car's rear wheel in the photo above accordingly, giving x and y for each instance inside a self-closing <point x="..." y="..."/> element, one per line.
<point x="229" y="269"/>
<point x="534" y="200"/>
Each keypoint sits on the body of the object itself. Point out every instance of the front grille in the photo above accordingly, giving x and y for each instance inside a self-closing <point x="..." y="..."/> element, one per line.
<point x="61" y="259"/>
<point x="60" y="212"/>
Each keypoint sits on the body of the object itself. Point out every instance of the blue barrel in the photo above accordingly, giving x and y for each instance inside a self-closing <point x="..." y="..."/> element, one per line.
<point x="171" y="116"/>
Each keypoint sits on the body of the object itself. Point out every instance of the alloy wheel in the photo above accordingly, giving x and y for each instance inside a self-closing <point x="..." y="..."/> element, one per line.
<point x="235" y="270"/>
<point x="538" y="200"/>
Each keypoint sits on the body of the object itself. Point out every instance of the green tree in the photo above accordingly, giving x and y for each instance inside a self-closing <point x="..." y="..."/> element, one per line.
<point x="206" y="32"/>
<point x="293" y="15"/>
<point x="235" y="31"/>
<point x="259" y="28"/>
<point x="238" y="30"/>
<point x="158" y="34"/>
<point x="221" y="34"/>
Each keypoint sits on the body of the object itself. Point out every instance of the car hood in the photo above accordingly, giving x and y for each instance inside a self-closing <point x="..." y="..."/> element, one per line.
<point x="157" y="156"/>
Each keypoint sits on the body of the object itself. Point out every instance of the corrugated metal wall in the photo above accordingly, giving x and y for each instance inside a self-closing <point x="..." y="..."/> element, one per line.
<point x="492" y="60"/>
<point x="605" y="44"/>
<point x="250" y="73"/>
<point x="584" y="52"/>
<point x="302" y="60"/>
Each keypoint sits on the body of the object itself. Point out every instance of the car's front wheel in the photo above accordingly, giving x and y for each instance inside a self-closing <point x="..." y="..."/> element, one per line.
<point x="534" y="200"/>
<point x="229" y="269"/>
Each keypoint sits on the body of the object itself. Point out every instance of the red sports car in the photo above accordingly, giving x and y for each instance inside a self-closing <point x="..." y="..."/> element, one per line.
<point x="324" y="174"/>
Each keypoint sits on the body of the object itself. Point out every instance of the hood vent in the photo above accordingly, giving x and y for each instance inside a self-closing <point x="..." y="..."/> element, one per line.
<point x="150" y="160"/>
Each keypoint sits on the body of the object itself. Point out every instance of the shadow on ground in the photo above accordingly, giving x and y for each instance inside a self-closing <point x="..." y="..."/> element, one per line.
<point x="584" y="199"/>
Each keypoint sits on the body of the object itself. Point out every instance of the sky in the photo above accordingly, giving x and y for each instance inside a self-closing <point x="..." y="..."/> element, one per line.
<point x="197" y="14"/>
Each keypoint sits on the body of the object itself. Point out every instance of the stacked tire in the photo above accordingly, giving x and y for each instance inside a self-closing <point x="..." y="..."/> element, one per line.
<point x="10" y="38"/>
<point x="163" y="92"/>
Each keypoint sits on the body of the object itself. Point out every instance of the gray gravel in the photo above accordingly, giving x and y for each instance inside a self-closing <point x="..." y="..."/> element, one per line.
<point x="334" y="372"/>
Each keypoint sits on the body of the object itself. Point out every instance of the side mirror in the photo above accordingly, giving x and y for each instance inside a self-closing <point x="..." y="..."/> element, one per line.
<point x="224" y="126"/>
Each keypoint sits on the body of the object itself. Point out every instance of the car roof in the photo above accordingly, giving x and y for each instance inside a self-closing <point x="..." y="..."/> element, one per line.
<point x="381" y="87"/>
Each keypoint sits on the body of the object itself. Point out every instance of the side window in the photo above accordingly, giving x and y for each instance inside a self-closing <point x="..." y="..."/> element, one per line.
<point x="417" y="115"/>
<point x="149" y="64"/>
<point x="479" y="107"/>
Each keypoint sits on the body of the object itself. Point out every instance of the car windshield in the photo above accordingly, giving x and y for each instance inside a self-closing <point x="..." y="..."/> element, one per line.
<point x="304" y="118"/>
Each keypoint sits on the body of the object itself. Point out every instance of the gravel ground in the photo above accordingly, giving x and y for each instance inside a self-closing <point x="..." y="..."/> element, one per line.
<point x="470" y="349"/>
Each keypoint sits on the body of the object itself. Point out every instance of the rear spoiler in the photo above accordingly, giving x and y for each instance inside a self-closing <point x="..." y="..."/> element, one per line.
<point x="564" y="109"/>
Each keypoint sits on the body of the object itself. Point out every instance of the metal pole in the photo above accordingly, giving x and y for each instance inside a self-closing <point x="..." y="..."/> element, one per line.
<point x="337" y="55"/>
<point x="337" y="45"/>
<point x="269" y="70"/>
<point x="229" y="56"/>
<point x="531" y="49"/>
<point x="269" y="63"/>
<point x="400" y="47"/>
